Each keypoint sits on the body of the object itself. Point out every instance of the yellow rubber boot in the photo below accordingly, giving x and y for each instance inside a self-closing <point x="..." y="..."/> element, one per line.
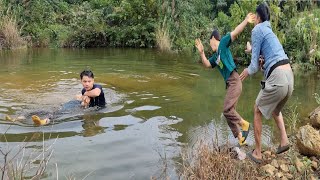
<point x="242" y="141"/>
<point x="245" y="125"/>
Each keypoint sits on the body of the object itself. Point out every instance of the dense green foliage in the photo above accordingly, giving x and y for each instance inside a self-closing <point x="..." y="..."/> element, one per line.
<point x="297" y="26"/>
<point x="86" y="23"/>
<point x="150" y="23"/>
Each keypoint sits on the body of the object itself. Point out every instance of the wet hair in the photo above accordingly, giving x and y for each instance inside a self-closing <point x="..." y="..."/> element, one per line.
<point x="264" y="12"/>
<point x="86" y="73"/>
<point x="215" y="34"/>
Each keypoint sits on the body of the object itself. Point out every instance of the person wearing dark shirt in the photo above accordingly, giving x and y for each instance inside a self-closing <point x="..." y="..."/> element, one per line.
<point x="223" y="60"/>
<point x="92" y="94"/>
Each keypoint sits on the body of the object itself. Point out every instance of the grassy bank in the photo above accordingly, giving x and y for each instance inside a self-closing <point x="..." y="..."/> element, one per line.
<point x="222" y="163"/>
<point x="213" y="162"/>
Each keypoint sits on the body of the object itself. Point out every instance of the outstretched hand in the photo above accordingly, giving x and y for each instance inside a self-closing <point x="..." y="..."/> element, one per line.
<point x="79" y="97"/>
<point x="85" y="100"/>
<point x="244" y="74"/>
<point x="249" y="48"/>
<point x="199" y="45"/>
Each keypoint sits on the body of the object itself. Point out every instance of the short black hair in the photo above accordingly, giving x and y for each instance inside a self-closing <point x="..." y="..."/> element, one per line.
<point x="263" y="12"/>
<point x="215" y="34"/>
<point x="86" y="73"/>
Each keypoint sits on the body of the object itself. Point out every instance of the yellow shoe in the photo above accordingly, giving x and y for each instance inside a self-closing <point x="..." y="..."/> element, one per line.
<point x="242" y="141"/>
<point x="245" y="129"/>
<point x="245" y="126"/>
<point x="36" y="120"/>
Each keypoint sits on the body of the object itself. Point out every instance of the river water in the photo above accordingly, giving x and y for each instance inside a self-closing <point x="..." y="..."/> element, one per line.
<point x="156" y="103"/>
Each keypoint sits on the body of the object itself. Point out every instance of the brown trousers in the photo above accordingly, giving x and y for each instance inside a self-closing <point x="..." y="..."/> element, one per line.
<point x="234" y="88"/>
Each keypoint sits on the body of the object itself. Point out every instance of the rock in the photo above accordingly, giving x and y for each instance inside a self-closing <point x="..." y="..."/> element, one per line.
<point x="312" y="178"/>
<point x="281" y="161"/>
<point x="267" y="153"/>
<point x="240" y="155"/>
<point x="308" y="141"/>
<point x="279" y="175"/>
<point x="313" y="159"/>
<point x="314" y="165"/>
<point x="284" y="168"/>
<point x="315" y="118"/>
<point x="289" y="176"/>
<point x="269" y="169"/>
<point x="275" y="163"/>
<point x="299" y="165"/>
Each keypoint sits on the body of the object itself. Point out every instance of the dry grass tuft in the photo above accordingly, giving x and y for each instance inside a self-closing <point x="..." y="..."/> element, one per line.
<point x="21" y="163"/>
<point x="10" y="34"/>
<point x="163" y="38"/>
<point x="210" y="162"/>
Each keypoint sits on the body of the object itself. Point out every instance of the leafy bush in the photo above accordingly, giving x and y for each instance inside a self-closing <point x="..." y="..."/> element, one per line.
<point x="172" y="24"/>
<point x="291" y="28"/>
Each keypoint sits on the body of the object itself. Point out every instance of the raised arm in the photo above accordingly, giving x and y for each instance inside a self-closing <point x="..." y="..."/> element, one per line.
<point x="204" y="59"/>
<point x="93" y="93"/>
<point x="249" y="19"/>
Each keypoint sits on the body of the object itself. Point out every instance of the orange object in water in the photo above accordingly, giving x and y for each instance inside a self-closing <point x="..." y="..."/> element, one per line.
<point x="36" y="120"/>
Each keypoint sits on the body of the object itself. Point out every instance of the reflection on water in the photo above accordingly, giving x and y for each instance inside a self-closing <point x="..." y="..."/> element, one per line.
<point x="219" y="133"/>
<point x="155" y="103"/>
<point x="91" y="126"/>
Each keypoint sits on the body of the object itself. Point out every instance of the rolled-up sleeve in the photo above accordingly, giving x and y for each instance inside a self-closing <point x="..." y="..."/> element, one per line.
<point x="256" y="39"/>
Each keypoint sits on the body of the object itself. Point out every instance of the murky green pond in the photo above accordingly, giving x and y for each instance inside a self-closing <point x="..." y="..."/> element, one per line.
<point x="157" y="103"/>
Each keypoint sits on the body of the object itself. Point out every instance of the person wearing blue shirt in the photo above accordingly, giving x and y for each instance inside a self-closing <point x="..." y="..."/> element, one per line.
<point x="278" y="84"/>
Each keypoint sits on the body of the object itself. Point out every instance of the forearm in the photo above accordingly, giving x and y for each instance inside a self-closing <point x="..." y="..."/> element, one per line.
<point x="92" y="93"/>
<point x="238" y="29"/>
<point x="204" y="60"/>
<point x="255" y="52"/>
<point x="254" y="65"/>
<point x="253" y="68"/>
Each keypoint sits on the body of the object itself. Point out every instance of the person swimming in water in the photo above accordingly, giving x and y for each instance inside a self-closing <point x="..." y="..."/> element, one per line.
<point x="92" y="94"/>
